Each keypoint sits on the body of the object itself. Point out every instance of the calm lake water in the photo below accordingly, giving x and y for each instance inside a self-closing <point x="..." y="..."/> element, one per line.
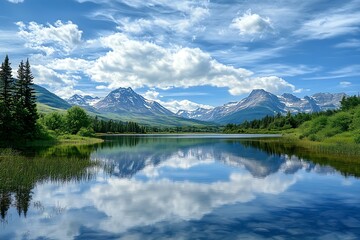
<point x="179" y="187"/>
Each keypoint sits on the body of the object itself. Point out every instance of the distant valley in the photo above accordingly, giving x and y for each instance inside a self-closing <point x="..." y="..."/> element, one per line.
<point x="126" y="105"/>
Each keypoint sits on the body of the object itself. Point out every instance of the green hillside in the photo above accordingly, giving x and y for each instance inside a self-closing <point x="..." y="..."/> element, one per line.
<point x="340" y="127"/>
<point x="48" y="98"/>
<point x="49" y="102"/>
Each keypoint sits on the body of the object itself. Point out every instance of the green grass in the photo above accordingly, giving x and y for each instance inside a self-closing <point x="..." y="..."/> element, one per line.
<point x="42" y="108"/>
<point x="66" y="139"/>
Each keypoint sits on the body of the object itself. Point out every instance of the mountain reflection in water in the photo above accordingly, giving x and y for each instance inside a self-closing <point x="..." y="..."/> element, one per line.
<point x="176" y="187"/>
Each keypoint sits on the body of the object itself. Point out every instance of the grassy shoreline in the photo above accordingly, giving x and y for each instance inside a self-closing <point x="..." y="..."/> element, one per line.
<point x="66" y="140"/>
<point x="62" y="140"/>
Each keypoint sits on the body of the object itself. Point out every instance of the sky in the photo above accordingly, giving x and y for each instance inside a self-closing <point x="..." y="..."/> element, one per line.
<point x="185" y="53"/>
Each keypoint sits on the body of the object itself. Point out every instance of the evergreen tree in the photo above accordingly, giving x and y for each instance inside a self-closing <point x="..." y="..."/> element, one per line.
<point x="6" y="100"/>
<point x="29" y="100"/>
<point x="20" y="85"/>
<point x="6" y="83"/>
<point x="20" y="112"/>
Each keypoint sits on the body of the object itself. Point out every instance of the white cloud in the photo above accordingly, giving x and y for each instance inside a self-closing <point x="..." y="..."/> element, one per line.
<point x="136" y="64"/>
<point x="62" y="84"/>
<point x="283" y="70"/>
<point x="70" y="64"/>
<point x="252" y="24"/>
<point x="15" y="1"/>
<point x="175" y="105"/>
<point x="300" y="90"/>
<point x="351" y="43"/>
<point x="330" y="25"/>
<point x="185" y="18"/>
<point x="151" y="95"/>
<point x="58" y="38"/>
<point x="345" y="72"/>
<point x="345" y="84"/>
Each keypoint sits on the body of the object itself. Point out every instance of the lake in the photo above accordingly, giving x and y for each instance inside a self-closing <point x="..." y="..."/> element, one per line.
<point x="179" y="187"/>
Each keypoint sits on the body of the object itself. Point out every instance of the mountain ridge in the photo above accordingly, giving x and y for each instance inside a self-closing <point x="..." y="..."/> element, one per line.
<point x="260" y="103"/>
<point x="126" y="105"/>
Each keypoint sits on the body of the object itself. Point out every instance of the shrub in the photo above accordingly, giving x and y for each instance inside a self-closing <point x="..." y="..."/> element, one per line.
<point x="342" y="121"/>
<point x="76" y="118"/>
<point x="316" y="125"/>
<point x="357" y="139"/>
<point x="86" y="132"/>
<point x="54" y="121"/>
<point x="313" y="137"/>
<point x="356" y="120"/>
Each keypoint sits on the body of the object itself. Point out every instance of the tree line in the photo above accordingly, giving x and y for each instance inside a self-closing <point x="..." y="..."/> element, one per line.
<point x="77" y="121"/>
<point x="18" y="114"/>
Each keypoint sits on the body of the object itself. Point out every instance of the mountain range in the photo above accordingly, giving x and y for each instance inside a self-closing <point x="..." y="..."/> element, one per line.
<point x="261" y="103"/>
<point x="126" y="105"/>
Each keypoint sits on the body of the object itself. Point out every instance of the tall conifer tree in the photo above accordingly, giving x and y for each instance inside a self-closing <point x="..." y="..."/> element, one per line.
<point x="29" y="101"/>
<point x="20" y="112"/>
<point x="6" y="99"/>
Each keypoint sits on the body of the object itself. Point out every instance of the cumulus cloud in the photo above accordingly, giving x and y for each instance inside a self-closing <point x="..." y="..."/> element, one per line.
<point x="252" y="24"/>
<point x="132" y="63"/>
<point x="63" y="84"/>
<point x="175" y="105"/>
<point x="57" y="38"/>
<point x="70" y="64"/>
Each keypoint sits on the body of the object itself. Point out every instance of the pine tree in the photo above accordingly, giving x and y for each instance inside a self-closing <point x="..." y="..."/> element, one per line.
<point x="20" y="113"/>
<point x="29" y="101"/>
<point x="6" y="83"/>
<point x="20" y="84"/>
<point x="6" y="100"/>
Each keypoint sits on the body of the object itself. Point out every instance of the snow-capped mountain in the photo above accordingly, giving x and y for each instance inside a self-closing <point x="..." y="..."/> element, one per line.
<point x="261" y="103"/>
<point x="327" y="100"/>
<point x="296" y="105"/>
<point x="126" y="100"/>
<point x="83" y="101"/>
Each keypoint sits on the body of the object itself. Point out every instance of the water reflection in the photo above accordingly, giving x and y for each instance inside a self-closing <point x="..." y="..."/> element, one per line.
<point x="19" y="174"/>
<point x="124" y="157"/>
<point x="167" y="187"/>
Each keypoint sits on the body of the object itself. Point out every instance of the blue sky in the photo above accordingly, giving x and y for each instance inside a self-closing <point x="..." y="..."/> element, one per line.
<point x="186" y="53"/>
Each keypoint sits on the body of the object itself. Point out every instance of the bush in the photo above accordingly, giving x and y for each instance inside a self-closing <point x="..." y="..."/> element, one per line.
<point x="86" y="132"/>
<point x="357" y="139"/>
<point x="342" y="121"/>
<point x="54" y="121"/>
<point x="356" y="120"/>
<point x="41" y="132"/>
<point x="313" y="127"/>
<point x="76" y="118"/>
<point x="313" y="137"/>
